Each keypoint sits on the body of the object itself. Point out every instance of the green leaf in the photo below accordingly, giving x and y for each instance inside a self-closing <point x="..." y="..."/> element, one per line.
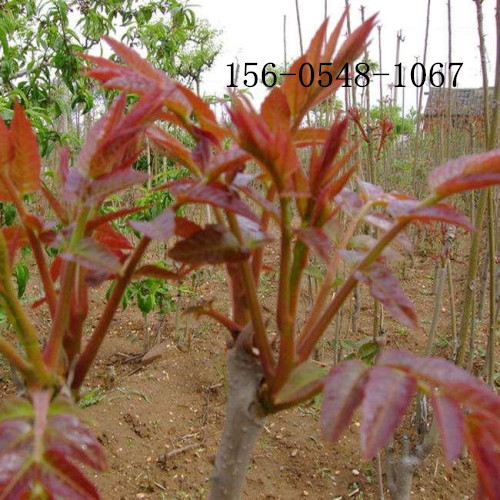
<point x="4" y="43"/>
<point x="146" y="302"/>
<point x="22" y="274"/>
<point x="368" y="350"/>
<point x="302" y="380"/>
<point x="9" y="214"/>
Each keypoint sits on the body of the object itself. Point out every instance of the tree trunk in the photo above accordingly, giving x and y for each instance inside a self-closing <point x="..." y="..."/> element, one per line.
<point x="245" y="418"/>
<point x="401" y="469"/>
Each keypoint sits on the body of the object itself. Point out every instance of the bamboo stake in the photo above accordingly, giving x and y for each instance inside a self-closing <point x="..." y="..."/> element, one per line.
<point x="484" y="70"/>
<point x="299" y="27"/>
<point x="420" y="92"/>
<point x="284" y="42"/>
<point x="481" y="208"/>
<point x="447" y="149"/>
<point x="379" y="27"/>
<point x="354" y="86"/>
<point x="451" y="293"/>
<point x="399" y="39"/>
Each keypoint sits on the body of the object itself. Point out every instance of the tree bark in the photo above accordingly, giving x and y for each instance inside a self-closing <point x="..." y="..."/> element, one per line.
<point x="401" y="469"/>
<point x="245" y="419"/>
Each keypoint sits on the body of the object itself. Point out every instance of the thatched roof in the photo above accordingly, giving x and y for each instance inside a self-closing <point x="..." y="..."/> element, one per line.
<point x="464" y="102"/>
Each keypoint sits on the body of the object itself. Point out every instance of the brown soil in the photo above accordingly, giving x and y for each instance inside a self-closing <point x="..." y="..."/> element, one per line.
<point x="160" y="423"/>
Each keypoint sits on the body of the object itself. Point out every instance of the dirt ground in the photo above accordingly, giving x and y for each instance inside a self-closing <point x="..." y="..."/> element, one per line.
<point x="160" y="422"/>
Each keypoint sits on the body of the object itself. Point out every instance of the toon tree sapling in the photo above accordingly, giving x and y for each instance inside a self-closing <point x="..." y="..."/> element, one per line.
<point x="304" y="202"/>
<point x="41" y="437"/>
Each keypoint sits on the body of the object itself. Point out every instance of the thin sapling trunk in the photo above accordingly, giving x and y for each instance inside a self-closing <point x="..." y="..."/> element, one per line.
<point x="245" y="419"/>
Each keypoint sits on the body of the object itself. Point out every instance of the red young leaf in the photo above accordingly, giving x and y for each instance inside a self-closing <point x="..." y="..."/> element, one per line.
<point x="440" y="212"/>
<point x="102" y="187"/>
<point x="111" y="216"/>
<point x="94" y="256"/>
<point x="135" y="61"/>
<point x="452" y="380"/>
<point x="317" y="240"/>
<point x="114" y="141"/>
<point x="302" y="99"/>
<point x="274" y="149"/>
<point x="379" y="220"/>
<point x="385" y="288"/>
<point x="486" y="452"/>
<point x="184" y="227"/>
<point x="36" y="446"/>
<point x="112" y="75"/>
<point x="67" y="436"/>
<point x="75" y="188"/>
<point x="322" y="169"/>
<point x="323" y="209"/>
<point x="202" y="152"/>
<point x="99" y="133"/>
<point x="343" y="392"/>
<point x="181" y="183"/>
<point x="252" y="233"/>
<point x="212" y="245"/>
<point x="64" y="480"/>
<point x="25" y="172"/>
<point x="466" y="172"/>
<point x="275" y="110"/>
<point x="388" y="394"/>
<point x="55" y="204"/>
<point x="55" y="268"/>
<point x="482" y="412"/>
<point x="227" y="161"/>
<point x="119" y="151"/>
<point x="161" y="228"/>
<point x="16" y="239"/>
<point x="19" y="155"/>
<point x="450" y="419"/>
<point x="310" y="136"/>
<point x="255" y="196"/>
<point x="350" y="201"/>
<point x="172" y="147"/>
<point x="112" y="239"/>
<point x="215" y="194"/>
<point x="364" y="243"/>
<point x="7" y="150"/>
<point x="141" y="78"/>
<point x="200" y="110"/>
<point x="468" y="182"/>
<point x="369" y="191"/>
